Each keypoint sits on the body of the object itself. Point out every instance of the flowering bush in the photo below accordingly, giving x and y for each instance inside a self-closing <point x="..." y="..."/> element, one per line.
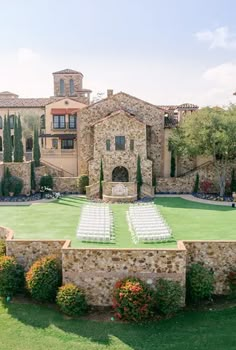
<point x="199" y="283"/>
<point x="232" y="281"/>
<point x="168" y="295"/>
<point x="11" y="277"/>
<point x="133" y="300"/>
<point x="206" y="186"/>
<point x="71" y="300"/>
<point x="44" y="278"/>
<point x="2" y="247"/>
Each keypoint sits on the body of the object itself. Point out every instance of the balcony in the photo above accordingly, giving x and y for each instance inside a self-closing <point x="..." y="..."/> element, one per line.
<point x="64" y="126"/>
<point x="58" y="153"/>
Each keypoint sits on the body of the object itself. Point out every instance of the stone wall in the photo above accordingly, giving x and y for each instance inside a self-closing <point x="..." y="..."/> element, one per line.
<point x="175" y="184"/>
<point x="22" y="170"/>
<point x="27" y="252"/>
<point x="144" y="112"/>
<point x="220" y="256"/>
<point x="97" y="270"/>
<point x="123" y="124"/>
<point x="65" y="184"/>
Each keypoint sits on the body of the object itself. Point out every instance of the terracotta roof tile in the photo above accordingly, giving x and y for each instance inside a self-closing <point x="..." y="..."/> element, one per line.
<point x="67" y="71"/>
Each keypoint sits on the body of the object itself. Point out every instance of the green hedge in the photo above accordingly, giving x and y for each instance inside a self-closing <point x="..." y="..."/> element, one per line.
<point x="71" y="300"/>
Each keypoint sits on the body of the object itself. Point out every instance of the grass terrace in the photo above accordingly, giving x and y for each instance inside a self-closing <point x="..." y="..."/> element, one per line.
<point x="59" y="220"/>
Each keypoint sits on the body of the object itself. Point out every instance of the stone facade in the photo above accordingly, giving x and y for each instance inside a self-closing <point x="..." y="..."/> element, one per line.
<point x="140" y="119"/>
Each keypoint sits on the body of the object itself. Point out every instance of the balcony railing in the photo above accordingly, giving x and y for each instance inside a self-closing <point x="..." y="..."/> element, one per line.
<point x="65" y="126"/>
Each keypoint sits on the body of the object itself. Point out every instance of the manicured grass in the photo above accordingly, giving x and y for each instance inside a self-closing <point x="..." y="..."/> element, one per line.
<point x="35" y="327"/>
<point x="59" y="220"/>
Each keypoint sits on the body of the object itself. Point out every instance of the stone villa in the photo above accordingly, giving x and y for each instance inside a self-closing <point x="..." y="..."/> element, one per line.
<point x="76" y="135"/>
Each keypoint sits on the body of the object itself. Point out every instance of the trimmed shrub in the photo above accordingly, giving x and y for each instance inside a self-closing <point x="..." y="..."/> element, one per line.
<point x="168" y="295"/>
<point x="199" y="283"/>
<point x="232" y="282"/>
<point x="196" y="184"/>
<point x="71" y="300"/>
<point x="15" y="185"/>
<point x="44" y="278"/>
<point x="11" y="277"/>
<point x="32" y="177"/>
<point x="5" y="182"/>
<point x="2" y="247"/>
<point x="233" y="182"/>
<point x="83" y="181"/>
<point x="46" y="181"/>
<point x="133" y="300"/>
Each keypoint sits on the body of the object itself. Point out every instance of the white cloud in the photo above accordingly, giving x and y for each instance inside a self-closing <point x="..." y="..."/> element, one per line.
<point x="219" y="38"/>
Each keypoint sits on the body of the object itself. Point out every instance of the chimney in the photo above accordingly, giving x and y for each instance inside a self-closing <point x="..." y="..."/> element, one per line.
<point x="109" y="93"/>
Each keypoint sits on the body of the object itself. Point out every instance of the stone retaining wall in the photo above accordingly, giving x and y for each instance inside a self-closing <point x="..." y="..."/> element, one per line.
<point x="27" y="252"/>
<point x="65" y="184"/>
<point x="175" y="184"/>
<point x="220" y="256"/>
<point x="97" y="270"/>
<point x="22" y="170"/>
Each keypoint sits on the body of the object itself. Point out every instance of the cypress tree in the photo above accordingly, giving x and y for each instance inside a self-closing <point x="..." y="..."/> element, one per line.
<point x="16" y="141"/>
<point x="101" y="178"/>
<point x="33" y="181"/>
<point x="36" y="149"/>
<point x="7" y="144"/>
<point x="139" y="177"/>
<point x="172" y="164"/>
<point x="196" y="185"/>
<point x="21" y="148"/>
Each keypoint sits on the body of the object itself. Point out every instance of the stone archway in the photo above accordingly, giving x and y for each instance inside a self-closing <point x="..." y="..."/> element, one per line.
<point x="120" y="174"/>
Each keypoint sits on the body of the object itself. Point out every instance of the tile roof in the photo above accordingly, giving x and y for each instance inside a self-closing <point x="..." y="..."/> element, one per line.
<point x="67" y="71"/>
<point x="26" y="102"/>
<point x="182" y="106"/>
<point x="8" y="93"/>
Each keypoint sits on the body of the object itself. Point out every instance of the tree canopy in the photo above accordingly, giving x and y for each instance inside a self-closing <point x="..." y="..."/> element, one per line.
<point x="208" y="132"/>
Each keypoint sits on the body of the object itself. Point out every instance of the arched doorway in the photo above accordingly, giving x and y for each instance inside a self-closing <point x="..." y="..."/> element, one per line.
<point x="120" y="174"/>
<point x="29" y="144"/>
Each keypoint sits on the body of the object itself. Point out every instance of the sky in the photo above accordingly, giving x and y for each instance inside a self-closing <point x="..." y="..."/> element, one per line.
<point x="165" y="52"/>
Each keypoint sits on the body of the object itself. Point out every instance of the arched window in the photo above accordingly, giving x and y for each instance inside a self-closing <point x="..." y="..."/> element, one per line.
<point x="62" y="87"/>
<point x="29" y="144"/>
<point x="0" y="122"/>
<point x="72" y="88"/>
<point x="11" y="121"/>
<point x="42" y="121"/>
<point x="0" y="143"/>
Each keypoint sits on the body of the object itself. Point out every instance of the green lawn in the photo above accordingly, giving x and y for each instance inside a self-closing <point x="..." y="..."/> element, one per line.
<point x="34" y="327"/>
<point x="59" y="220"/>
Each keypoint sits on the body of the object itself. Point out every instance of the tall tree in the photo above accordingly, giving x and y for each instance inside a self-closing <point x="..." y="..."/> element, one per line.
<point x="21" y="148"/>
<point x="36" y="149"/>
<point x="172" y="164"/>
<point x="7" y="143"/>
<point x="101" y="178"/>
<point x="208" y="132"/>
<point x="139" y="177"/>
